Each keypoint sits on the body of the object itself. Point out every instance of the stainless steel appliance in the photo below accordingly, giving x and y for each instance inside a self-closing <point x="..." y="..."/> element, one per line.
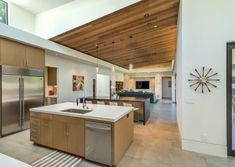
<point x="21" y="89"/>
<point x="98" y="142"/>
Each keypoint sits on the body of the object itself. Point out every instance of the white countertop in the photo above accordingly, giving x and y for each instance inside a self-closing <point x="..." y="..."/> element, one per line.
<point x="11" y="162"/>
<point x="107" y="113"/>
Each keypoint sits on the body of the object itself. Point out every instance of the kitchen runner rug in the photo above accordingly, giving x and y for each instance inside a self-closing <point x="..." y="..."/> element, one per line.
<point x="57" y="159"/>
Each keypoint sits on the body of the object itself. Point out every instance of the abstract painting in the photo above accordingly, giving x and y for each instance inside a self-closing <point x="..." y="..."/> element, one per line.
<point x="78" y="83"/>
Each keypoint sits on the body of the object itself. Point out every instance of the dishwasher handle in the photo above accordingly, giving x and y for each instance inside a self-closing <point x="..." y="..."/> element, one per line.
<point x="98" y="128"/>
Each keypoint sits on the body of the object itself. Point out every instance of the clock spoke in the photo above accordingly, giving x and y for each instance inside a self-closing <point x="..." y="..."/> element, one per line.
<point x="197" y="86"/>
<point x="211" y="84"/>
<point x="203" y="70"/>
<point x="212" y="75"/>
<point x="208" y="72"/>
<point x="207" y="87"/>
<point x="194" y="84"/>
<point x="198" y="73"/>
<point x="194" y="75"/>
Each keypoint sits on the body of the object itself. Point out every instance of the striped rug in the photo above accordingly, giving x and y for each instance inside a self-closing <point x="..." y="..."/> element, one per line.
<point x="57" y="159"/>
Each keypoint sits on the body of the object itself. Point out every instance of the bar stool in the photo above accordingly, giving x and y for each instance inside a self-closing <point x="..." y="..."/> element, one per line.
<point x="88" y="102"/>
<point x="101" y="102"/>
<point x="113" y="103"/>
<point x="136" y="110"/>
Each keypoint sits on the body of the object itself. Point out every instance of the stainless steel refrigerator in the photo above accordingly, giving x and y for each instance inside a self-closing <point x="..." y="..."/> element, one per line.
<point x="21" y="89"/>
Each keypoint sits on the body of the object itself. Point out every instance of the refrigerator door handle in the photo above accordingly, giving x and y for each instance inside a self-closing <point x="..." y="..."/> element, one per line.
<point x="20" y="101"/>
<point x="23" y="108"/>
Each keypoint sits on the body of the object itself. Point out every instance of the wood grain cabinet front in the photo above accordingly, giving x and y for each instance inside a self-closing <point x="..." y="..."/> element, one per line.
<point x="68" y="134"/>
<point x="41" y="129"/>
<point x="34" y="57"/>
<point x="20" y="55"/>
<point x="12" y="53"/>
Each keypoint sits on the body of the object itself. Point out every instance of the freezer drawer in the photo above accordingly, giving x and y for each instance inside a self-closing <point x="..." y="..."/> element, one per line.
<point x="98" y="142"/>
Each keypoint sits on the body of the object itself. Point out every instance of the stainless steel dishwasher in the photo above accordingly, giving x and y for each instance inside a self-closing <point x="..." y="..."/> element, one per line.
<point x="98" y="142"/>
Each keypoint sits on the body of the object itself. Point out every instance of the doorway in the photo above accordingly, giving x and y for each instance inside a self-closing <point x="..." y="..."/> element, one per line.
<point x="231" y="98"/>
<point x="166" y="88"/>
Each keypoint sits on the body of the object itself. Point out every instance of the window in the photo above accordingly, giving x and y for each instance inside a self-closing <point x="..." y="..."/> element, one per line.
<point x="3" y="12"/>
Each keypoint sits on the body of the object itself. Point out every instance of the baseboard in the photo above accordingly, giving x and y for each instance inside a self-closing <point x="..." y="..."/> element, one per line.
<point x="204" y="148"/>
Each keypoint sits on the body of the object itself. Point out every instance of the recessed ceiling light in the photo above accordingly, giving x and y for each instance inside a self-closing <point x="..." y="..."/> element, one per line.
<point x="155" y="26"/>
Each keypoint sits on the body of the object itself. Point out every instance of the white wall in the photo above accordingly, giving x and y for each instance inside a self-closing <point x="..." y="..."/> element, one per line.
<point x="178" y="71"/>
<point x="173" y="88"/>
<point x="207" y="26"/>
<point x="74" y="14"/>
<point x="21" y="18"/>
<point x="67" y="68"/>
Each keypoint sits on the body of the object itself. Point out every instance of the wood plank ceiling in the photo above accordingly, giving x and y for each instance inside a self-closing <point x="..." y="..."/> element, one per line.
<point x="143" y="34"/>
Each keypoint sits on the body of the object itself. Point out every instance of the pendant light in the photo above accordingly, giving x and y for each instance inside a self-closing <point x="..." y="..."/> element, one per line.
<point x="97" y="65"/>
<point x="130" y="67"/>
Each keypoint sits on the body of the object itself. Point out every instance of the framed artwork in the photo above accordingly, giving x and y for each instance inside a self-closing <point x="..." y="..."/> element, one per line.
<point x="3" y="12"/>
<point x="78" y="83"/>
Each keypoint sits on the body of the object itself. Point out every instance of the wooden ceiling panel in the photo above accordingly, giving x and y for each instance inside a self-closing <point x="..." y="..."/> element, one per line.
<point x="143" y="34"/>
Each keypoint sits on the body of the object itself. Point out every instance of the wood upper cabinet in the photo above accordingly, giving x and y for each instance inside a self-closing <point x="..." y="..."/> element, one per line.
<point x="52" y="76"/>
<point x="35" y="57"/>
<point x="20" y="55"/>
<point x="12" y="53"/>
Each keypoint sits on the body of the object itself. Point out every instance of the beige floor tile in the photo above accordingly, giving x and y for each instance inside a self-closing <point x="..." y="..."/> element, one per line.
<point x="156" y="144"/>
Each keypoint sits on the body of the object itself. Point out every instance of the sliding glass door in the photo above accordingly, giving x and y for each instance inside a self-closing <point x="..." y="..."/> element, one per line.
<point x="231" y="98"/>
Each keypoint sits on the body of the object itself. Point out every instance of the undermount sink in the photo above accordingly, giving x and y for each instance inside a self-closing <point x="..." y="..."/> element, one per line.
<point x="79" y="111"/>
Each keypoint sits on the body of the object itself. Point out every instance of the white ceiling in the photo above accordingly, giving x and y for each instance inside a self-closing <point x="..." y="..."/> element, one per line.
<point x="38" y="6"/>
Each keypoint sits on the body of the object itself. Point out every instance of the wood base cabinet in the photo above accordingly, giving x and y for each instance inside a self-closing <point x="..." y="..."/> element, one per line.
<point x="123" y="134"/>
<point x="41" y="129"/>
<point x="68" y="134"/>
<point x="59" y="132"/>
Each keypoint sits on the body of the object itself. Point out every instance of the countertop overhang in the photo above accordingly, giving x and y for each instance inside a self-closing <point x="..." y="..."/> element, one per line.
<point x="105" y="113"/>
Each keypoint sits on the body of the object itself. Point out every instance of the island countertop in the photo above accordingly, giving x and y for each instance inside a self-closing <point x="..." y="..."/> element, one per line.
<point x="99" y="112"/>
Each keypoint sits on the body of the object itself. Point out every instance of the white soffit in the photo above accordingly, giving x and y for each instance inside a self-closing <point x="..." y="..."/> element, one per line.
<point x="39" y="6"/>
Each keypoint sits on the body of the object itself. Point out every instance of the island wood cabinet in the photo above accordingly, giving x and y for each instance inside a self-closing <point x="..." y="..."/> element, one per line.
<point x="59" y="132"/>
<point x="68" y="134"/>
<point x="20" y="55"/>
<point x="41" y="128"/>
<point x="123" y="134"/>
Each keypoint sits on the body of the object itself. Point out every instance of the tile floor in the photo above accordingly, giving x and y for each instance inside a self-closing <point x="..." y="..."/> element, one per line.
<point x="155" y="145"/>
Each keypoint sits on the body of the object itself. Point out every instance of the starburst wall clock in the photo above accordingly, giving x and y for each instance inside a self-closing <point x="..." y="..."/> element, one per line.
<point x="203" y="80"/>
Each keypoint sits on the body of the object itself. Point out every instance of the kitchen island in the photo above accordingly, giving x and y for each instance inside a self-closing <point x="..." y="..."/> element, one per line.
<point x="64" y="127"/>
<point x="142" y="103"/>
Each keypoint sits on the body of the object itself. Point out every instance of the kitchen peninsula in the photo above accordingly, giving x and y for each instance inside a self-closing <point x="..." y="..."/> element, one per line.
<point x="141" y="103"/>
<point x="100" y="133"/>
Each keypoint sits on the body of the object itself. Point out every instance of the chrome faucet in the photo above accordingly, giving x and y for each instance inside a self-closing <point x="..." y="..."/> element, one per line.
<point x="77" y="101"/>
<point x="83" y="103"/>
